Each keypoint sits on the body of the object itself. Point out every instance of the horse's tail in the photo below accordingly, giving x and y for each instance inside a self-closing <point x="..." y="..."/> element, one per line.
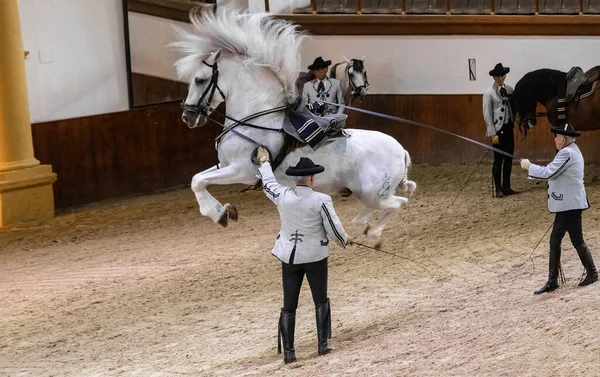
<point x="406" y="184"/>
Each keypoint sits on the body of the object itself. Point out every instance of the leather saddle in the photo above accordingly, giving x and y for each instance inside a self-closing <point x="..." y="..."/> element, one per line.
<point x="580" y="83"/>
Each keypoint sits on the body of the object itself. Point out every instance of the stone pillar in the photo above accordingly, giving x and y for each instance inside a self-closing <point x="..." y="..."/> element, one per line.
<point x="25" y="185"/>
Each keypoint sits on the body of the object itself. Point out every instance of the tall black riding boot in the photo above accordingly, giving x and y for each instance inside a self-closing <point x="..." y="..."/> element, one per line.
<point x="323" y="326"/>
<point x="554" y="263"/>
<point x="287" y="325"/>
<point x="497" y="176"/>
<point x="591" y="275"/>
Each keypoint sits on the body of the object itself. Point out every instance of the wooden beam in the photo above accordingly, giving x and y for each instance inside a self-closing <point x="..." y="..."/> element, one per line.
<point x="408" y="24"/>
<point x="381" y="24"/>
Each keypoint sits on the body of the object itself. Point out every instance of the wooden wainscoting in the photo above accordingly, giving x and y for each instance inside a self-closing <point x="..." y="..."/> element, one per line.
<point x="460" y="114"/>
<point x="149" y="90"/>
<point x="125" y="153"/>
<point x="149" y="149"/>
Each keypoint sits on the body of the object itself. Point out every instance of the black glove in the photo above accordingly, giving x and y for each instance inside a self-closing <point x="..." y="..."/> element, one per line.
<point x="316" y="107"/>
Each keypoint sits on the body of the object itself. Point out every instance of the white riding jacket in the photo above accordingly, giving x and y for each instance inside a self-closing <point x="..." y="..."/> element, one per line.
<point x="307" y="218"/>
<point x="332" y="93"/>
<point x="496" y="111"/>
<point x="566" y="190"/>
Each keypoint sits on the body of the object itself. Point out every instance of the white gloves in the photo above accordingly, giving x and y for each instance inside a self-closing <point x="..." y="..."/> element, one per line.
<point x="262" y="155"/>
<point x="525" y="164"/>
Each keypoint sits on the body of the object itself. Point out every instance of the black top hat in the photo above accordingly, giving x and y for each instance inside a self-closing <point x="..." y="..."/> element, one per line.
<point x="565" y="129"/>
<point x="319" y="63"/>
<point x="499" y="70"/>
<point x="304" y="167"/>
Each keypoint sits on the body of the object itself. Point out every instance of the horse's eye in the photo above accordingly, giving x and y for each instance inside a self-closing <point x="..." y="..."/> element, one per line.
<point x="199" y="81"/>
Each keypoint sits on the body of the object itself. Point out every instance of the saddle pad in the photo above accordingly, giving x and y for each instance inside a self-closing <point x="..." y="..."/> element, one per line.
<point x="307" y="127"/>
<point x="586" y="90"/>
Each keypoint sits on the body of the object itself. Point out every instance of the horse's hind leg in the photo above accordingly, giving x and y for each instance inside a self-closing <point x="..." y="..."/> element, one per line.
<point x="363" y="217"/>
<point x="391" y="205"/>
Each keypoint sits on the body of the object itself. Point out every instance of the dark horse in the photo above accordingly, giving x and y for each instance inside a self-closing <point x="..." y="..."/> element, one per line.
<point x="544" y="86"/>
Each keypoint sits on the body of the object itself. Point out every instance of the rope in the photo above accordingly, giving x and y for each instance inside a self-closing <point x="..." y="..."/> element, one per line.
<point x="407" y="121"/>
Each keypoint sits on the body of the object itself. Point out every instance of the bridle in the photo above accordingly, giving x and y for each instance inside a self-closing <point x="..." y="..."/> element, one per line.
<point x="199" y="108"/>
<point x="353" y="86"/>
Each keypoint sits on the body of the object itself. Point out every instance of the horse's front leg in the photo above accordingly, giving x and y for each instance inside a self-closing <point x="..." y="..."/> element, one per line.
<point x="211" y="207"/>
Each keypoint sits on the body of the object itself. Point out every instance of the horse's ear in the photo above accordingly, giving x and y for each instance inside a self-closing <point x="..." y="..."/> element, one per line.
<point x="363" y="59"/>
<point x="346" y="59"/>
<point x="214" y="57"/>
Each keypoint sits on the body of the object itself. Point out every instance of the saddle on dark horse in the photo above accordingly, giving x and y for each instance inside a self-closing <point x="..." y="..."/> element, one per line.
<point x="578" y="86"/>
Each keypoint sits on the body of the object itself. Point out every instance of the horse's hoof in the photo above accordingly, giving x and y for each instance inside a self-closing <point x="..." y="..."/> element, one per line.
<point x="231" y="211"/>
<point x="346" y="193"/>
<point x="223" y="219"/>
<point x="366" y="229"/>
<point x="377" y="245"/>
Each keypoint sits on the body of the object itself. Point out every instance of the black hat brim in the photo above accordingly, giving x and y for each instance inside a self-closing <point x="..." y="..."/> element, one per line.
<point x="565" y="133"/>
<point x="299" y="172"/>
<point x="317" y="66"/>
<point x="495" y="72"/>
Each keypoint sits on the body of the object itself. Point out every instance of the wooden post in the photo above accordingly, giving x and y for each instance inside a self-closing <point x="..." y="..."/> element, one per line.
<point x="493" y="6"/>
<point x="359" y="7"/>
<point x="581" y="7"/>
<point x="447" y="7"/>
<point x="404" y="7"/>
<point x="537" y="7"/>
<point x="313" y="4"/>
<point x="267" y="6"/>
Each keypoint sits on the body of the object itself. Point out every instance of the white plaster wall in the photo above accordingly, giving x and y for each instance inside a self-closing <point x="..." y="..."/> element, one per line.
<point x="76" y="65"/>
<point x="398" y="64"/>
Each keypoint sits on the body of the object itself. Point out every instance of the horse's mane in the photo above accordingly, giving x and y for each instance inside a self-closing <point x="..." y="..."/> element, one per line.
<point x="261" y="40"/>
<point x="536" y="86"/>
<point x="357" y="65"/>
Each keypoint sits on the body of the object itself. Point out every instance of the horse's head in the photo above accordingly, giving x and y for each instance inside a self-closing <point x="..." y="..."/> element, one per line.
<point x="357" y="77"/>
<point x="204" y="93"/>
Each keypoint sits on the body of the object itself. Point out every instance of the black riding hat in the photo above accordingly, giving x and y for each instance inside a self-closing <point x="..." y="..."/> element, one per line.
<point x="566" y="129"/>
<point x="499" y="70"/>
<point x="304" y="167"/>
<point x="319" y="63"/>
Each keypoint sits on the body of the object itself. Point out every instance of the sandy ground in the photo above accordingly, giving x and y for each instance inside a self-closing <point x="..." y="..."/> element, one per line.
<point x="146" y="286"/>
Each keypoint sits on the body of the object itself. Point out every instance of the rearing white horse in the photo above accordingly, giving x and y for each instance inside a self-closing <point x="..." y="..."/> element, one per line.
<point x="251" y="61"/>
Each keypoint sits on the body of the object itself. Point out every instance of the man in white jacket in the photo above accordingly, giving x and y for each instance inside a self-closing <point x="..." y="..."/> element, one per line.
<point x="566" y="198"/>
<point x="307" y="219"/>
<point x="499" y="122"/>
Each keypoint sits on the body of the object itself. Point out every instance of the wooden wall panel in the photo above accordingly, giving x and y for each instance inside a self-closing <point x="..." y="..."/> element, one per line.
<point x="148" y="149"/>
<point x="149" y="90"/>
<point x="131" y="152"/>
<point x="460" y="114"/>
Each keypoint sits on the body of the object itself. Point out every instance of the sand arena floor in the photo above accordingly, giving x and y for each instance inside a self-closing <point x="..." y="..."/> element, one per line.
<point x="146" y="286"/>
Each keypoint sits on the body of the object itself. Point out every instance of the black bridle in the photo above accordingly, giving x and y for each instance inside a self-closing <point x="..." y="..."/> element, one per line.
<point x="199" y="108"/>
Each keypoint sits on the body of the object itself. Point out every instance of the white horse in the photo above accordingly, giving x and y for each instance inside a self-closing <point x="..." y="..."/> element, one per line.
<point x="251" y="61"/>
<point x="353" y="78"/>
